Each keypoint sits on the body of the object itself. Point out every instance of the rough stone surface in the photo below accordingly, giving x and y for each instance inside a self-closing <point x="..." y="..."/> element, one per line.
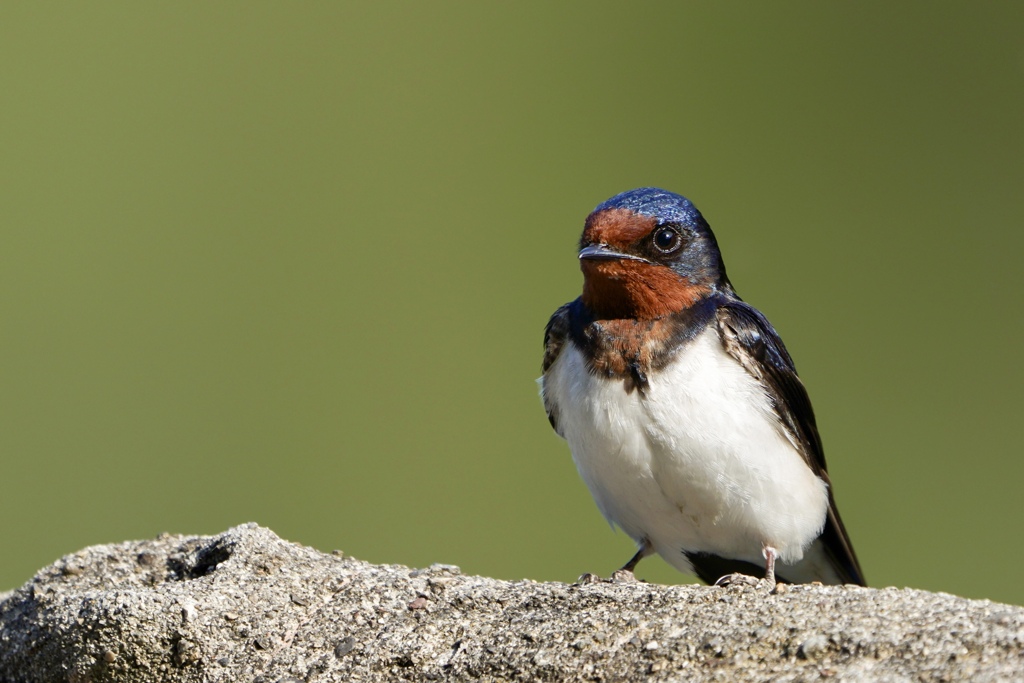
<point x="247" y="606"/>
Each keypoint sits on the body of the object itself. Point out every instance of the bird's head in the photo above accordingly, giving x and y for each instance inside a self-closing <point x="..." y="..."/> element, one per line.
<point x="648" y="253"/>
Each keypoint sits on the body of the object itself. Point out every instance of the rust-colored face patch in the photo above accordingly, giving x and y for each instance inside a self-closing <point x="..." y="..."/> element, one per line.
<point x="618" y="228"/>
<point x="626" y="288"/>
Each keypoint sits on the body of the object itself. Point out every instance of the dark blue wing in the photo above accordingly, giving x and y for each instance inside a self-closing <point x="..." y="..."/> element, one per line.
<point x="753" y="342"/>
<point x="555" y="335"/>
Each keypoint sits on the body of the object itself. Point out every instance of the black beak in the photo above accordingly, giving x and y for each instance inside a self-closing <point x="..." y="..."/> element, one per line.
<point x="602" y="252"/>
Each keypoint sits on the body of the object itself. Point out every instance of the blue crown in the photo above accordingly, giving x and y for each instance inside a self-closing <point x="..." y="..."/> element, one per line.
<point x="661" y="204"/>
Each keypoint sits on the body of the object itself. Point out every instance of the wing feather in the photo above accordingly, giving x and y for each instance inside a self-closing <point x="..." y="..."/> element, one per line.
<point x="555" y="335"/>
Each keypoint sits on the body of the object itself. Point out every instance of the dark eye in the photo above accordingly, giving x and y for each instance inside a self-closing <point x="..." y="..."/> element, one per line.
<point x="667" y="240"/>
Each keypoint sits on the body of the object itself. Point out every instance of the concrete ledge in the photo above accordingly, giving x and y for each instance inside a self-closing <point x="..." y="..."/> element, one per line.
<point x="247" y="606"/>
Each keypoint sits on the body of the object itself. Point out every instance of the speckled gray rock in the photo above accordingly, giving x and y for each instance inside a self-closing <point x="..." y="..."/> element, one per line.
<point x="247" y="606"/>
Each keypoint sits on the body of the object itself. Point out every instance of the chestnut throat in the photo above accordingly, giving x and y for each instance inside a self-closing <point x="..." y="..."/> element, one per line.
<point x="633" y="320"/>
<point x="641" y="291"/>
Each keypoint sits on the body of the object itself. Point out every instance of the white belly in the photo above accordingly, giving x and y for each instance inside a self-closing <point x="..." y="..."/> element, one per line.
<point x="698" y="463"/>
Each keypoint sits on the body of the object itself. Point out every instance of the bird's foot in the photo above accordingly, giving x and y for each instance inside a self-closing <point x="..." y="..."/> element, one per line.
<point x="623" y="576"/>
<point x="618" y="576"/>
<point x="753" y="581"/>
<point x="737" y="580"/>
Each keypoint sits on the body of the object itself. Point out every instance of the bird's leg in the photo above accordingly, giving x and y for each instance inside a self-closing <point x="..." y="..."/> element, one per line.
<point x="770" y="555"/>
<point x="625" y="573"/>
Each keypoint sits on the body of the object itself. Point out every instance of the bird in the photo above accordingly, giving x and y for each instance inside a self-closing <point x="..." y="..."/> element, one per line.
<point x="683" y="409"/>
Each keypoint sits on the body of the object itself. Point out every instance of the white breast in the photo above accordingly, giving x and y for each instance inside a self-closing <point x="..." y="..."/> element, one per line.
<point x="698" y="463"/>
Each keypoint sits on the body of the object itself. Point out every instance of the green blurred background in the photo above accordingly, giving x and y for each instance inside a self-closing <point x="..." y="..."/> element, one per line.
<point x="291" y="263"/>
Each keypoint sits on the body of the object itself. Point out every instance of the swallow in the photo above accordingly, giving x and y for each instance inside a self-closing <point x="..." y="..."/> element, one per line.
<point x="682" y="408"/>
